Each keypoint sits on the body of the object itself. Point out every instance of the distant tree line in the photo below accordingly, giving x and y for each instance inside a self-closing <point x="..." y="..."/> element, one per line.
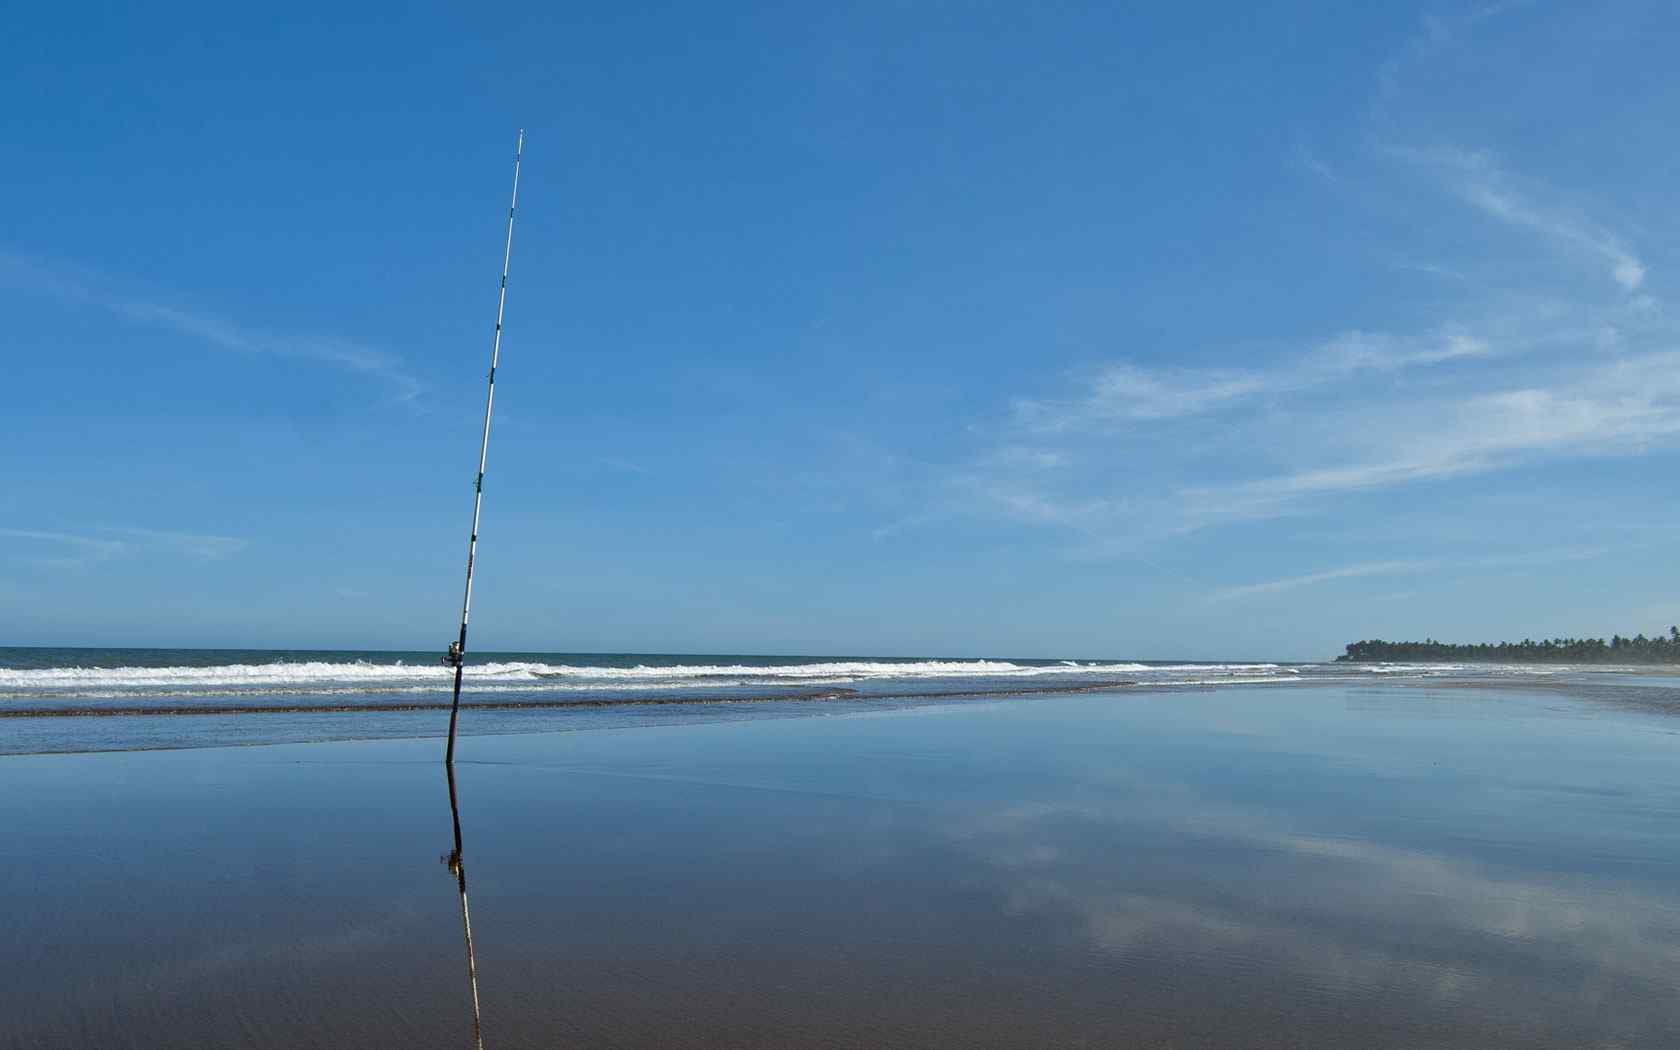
<point x="1662" y="649"/>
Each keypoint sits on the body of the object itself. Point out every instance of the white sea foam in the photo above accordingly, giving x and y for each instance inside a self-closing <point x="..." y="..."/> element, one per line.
<point x="535" y="677"/>
<point x="336" y="677"/>
<point x="297" y="673"/>
<point x="305" y="677"/>
<point x="1220" y="668"/>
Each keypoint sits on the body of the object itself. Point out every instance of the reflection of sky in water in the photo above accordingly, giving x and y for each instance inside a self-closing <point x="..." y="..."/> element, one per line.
<point x="1479" y="858"/>
<point x="1327" y="867"/>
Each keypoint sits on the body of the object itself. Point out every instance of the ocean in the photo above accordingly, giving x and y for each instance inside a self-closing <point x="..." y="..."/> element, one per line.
<point x="87" y="699"/>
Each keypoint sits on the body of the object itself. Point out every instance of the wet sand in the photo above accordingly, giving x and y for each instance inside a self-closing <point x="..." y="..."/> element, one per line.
<point x="1250" y="866"/>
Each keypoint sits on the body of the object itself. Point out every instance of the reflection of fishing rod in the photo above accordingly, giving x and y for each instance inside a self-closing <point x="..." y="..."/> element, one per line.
<point x="458" y="648"/>
<point x="458" y="868"/>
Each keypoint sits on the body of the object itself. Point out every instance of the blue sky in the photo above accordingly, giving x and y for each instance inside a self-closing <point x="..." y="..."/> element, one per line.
<point x="927" y="328"/>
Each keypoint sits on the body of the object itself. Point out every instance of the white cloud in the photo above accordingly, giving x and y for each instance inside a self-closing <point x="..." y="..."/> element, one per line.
<point x="61" y="550"/>
<point x="1476" y="179"/>
<point x="83" y="287"/>
<point x="1361" y="409"/>
<point x="1617" y="408"/>
<point x="198" y="545"/>
<point x="1386" y="352"/>
<point x="1389" y="568"/>
<point x="1496" y="368"/>
<point x="1381" y="568"/>
<point x="81" y="550"/>
<point x="1125" y="392"/>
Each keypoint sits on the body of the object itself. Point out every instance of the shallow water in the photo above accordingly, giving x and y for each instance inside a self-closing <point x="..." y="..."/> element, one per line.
<point x="1379" y="865"/>
<point x="65" y="700"/>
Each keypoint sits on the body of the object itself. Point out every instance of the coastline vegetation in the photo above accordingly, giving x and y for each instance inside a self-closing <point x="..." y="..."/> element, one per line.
<point x="1661" y="649"/>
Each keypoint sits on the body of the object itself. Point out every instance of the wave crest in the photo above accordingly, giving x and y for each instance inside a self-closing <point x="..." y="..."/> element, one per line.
<point x="304" y="676"/>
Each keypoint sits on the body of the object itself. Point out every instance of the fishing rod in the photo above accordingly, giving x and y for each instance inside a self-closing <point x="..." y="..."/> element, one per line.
<point x="457" y="653"/>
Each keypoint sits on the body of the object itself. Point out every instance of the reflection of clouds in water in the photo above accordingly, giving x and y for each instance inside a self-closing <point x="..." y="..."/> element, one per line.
<point x="1226" y="891"/>
<point x="163" y="981"/>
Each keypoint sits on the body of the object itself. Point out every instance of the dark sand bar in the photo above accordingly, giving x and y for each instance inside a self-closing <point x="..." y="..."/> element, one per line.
<point x="1371" y="866"/>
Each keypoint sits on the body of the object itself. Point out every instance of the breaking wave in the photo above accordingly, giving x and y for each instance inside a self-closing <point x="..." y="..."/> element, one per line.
<point x="266" y="677"/>
<point x="512" y="676"/>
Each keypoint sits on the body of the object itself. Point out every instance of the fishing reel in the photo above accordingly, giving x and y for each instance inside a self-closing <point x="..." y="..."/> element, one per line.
<point x="452" y="658"/>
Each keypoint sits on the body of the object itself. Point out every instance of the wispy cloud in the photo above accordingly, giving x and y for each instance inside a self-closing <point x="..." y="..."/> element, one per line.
<point x="60" y="550"/>
<point x="1446" y="273"/>
<point x="45" y="549"/>
<point x="200" y="546"/>
<point x="1154" y="453"/>
<point x="1378" y="568"/>
<point x="84" y="287"/>
<point x="1476" y="178"/>
<point x="1408" y="566"/>
<point x="1507" y="368"/>
<point x="1126" y="392"/>
<point x="1435" y="35"/>
<point x="624" y="465"/>
<point x="1310" y="159"/>
<point x="1615" y="408"/>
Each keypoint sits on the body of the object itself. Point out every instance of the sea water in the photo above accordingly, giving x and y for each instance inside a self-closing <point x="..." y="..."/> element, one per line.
<point x="1388" y="861"/>
<point x="84" y="699"/>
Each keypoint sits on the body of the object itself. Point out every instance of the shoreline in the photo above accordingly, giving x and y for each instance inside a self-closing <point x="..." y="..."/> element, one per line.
<point x="808" y="705"/>
<point x="587" y="702"/>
